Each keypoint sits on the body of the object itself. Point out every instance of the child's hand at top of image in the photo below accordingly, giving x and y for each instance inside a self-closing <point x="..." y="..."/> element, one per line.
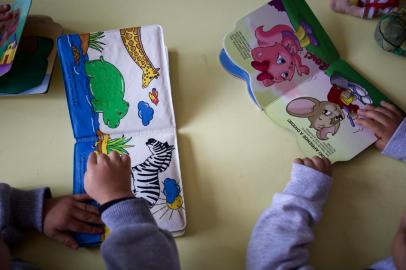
<point x="383" y="121"/>
<point x="322" y="165"/>
<point x="70" y="214"/>
<point x="108" y="178"/>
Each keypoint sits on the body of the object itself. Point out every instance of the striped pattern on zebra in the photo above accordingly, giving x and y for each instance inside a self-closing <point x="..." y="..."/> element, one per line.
<point x="145" y="182"/>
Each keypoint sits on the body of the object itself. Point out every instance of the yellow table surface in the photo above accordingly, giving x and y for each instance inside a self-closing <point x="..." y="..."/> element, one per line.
<point x="233" y="158"/>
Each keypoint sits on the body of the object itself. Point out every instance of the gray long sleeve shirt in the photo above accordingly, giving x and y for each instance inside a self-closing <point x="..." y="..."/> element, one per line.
<point x="135" y="241"/>
<point x="281" y="235"/>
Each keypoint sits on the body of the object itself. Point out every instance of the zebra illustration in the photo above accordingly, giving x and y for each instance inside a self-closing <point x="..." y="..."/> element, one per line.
<point x="145" y="182"/>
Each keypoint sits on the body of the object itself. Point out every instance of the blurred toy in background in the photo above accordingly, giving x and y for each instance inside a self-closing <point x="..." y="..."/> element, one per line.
<point x="366" y="9"/>
<point x="390" y="33"/>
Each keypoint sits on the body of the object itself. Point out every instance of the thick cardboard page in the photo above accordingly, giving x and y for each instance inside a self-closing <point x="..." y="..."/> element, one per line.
<point x="318" y="96"/>
<point x="277" y="50"/>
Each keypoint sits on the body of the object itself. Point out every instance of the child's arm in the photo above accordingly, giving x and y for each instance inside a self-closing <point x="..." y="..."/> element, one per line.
<point x="56" y="218"/>
<point x="389" y="126"/>
<point x="20" y="210"/>
<point x="281" y="234"/>
<point x="135" y="240"/>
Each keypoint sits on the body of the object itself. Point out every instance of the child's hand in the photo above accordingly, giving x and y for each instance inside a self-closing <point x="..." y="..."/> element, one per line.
<point x="383" y="121"/>
<point x="322" y="165"/>
<point x="70" y="214"/>
<point x="399" y="245"/>
<point x="108" y="177"/>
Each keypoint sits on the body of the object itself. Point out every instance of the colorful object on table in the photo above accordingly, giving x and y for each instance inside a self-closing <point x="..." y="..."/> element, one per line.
<point x="105" y="112"/>
<point x="366" y="9"/>
<point x="390" y="33"/>
<point x="35" y="58"/>
<point x="295" y="75"/>
<point x="11" y="30"/>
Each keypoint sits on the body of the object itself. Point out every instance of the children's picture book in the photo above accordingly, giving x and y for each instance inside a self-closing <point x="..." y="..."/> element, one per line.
<point x="12" y="27"/>
<point x="295" y="75"/>
<point x="34" y="60"/>
<point x="119" y="98"/>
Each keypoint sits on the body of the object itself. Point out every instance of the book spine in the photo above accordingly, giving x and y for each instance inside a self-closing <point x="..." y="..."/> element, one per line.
<point x="66" y="81"/>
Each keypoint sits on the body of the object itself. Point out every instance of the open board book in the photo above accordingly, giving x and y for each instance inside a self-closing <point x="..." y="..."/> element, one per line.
<point x="296" y="76"/>
<point x="119" y="98"/>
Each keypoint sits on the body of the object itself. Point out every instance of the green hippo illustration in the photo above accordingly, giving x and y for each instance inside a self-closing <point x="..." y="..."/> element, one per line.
<point x="107" y="86"/>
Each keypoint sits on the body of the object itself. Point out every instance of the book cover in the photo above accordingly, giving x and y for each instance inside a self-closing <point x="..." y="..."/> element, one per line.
<point x="296" y="76"/>
<point x="119" y="98"/>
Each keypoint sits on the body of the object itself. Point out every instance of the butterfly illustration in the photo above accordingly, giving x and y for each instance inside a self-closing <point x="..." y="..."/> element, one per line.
<point x="153" y="96"/>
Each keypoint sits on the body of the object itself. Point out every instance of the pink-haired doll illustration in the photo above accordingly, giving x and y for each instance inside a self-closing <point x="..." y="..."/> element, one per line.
<point x="277" y="57"/>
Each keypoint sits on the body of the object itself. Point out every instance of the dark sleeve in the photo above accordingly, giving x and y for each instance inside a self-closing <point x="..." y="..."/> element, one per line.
<point x="20" y="209"/>
<point x="396" y="147"/>
<point x="135" y="241"/>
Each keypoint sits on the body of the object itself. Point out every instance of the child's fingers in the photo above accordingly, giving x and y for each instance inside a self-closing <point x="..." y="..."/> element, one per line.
<point x="326" y="162"/>
<point x="65" y="239"/>
<point x="298" y="161"/>
<point x="87" y="217"/>
<point x="81" y="197"/>
<point x="376" y="127"/>
<point x="369" y="107"/>
<point x="318" y="162"/>
<point x="114" y="156"/>
<point x="87" y="207"/>
<point x="391" y="108"/>
<point x="126" y="159"/>
<point x="92" y="159"/>
<point x="386" y="112"/>
<point x="102" y="158"/>
<point x="81" y="227"/>
<point x="375" y="115"/>
<point x="308" y="162"/>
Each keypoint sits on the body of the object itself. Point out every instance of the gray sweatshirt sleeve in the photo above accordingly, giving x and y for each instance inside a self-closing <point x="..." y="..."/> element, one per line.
<point x="135" y="241"/>
<point x="396" y="147"/>
<point x="280" y="237"/>
<point x="20" y="209"/>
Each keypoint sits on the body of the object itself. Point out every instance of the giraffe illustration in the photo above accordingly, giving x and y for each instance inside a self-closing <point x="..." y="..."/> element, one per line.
<point x="132" y="41"/>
